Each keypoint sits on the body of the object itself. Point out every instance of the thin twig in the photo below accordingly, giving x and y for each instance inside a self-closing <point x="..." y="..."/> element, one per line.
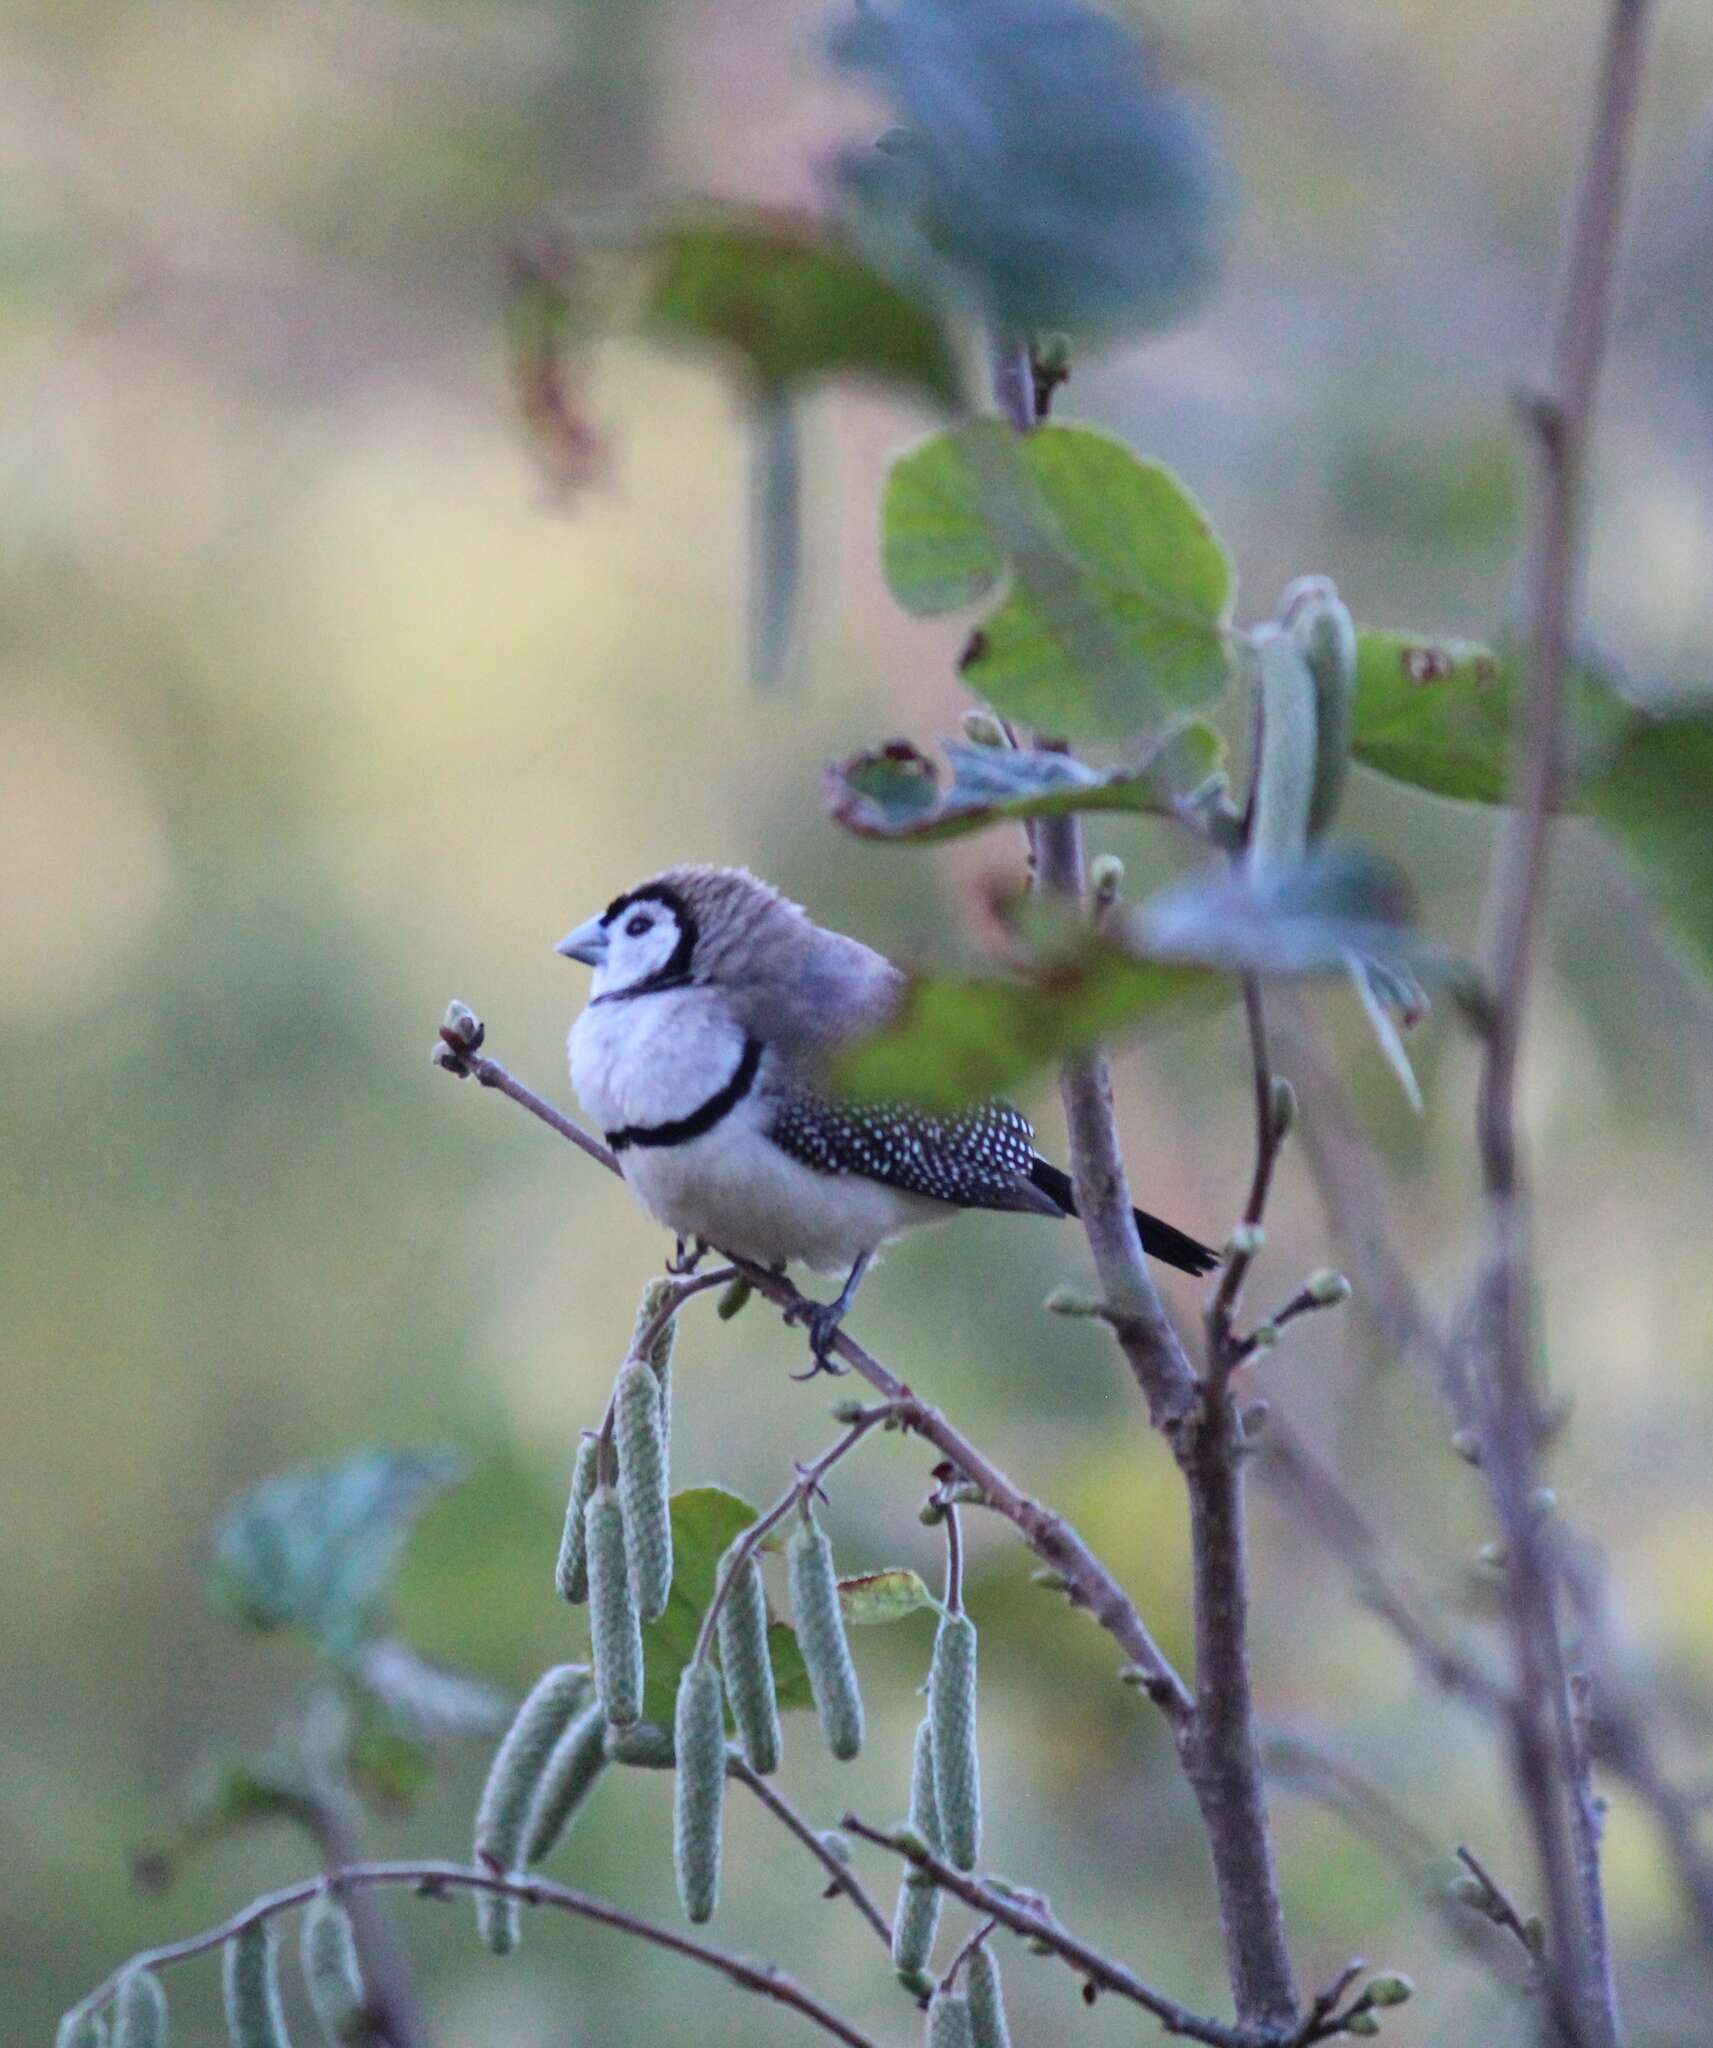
<point x="698" y="1283"/>
<point x="1497" y="1903"/>
<point x="435" y="1878"/>
<point x="1088" y="1582"/>
<point x="1038" y="1925"/>
<point x="954" y="1560"/>
<point x="1547" y="1754"/>
<point x="802" y="1488"/>
<point x="842" y="1878"/>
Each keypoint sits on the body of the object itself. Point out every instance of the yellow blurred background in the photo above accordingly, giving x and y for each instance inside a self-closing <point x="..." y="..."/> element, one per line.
<point x="313" y="714"/>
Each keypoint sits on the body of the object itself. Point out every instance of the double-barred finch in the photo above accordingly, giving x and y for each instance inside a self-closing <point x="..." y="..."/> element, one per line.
<point x="714" y="1007"/>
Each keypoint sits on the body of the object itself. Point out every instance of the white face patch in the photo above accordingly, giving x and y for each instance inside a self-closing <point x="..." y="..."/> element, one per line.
<point x="641" y="940"/>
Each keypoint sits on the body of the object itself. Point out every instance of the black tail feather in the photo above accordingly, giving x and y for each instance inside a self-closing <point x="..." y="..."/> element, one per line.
<point x="1162" y="1241"/>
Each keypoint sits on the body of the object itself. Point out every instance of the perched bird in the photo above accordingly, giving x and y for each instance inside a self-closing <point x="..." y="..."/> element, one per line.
<point x="714" y="1004"/>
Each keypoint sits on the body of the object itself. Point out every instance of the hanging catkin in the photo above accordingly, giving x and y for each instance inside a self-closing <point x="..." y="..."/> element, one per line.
<point x="140" y="2011"/>
<point x="641" y="1446"/>
<point x="916" y="1918"/>
<point x="821" y="1637"/>
<point x="987" y="2001"/>
<point x="251" y="1982"/>
<point x="747" y="1663"/>
<point x="613" y="1625"/>
<point x="577" y="1761"/>
<point x="699" y="1736"/>
<point x="572" y="1573"/>
<point x="951" y="1713"/>
<point x="509" y="1793"/>
<point x="327" y="1945"/>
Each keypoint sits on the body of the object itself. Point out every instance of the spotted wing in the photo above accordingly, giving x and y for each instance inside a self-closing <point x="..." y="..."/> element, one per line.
<point x="981" y="1158"/>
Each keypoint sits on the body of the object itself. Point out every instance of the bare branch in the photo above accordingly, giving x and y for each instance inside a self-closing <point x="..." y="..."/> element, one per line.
<point x="1035" y="1923"/>
<point x="841" y="1878"/>
<point x="435" y="1879"/>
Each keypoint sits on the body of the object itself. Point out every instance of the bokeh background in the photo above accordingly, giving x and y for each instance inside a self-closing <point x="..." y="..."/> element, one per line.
<point x="315" y="712"/>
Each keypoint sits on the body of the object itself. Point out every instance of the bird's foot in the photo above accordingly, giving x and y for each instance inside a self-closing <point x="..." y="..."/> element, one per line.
<point x="822" y="1320"/>
<point x="687" y="1255"/>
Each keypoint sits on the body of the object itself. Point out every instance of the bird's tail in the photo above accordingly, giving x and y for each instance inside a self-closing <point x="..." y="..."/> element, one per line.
<point x="1162" y="1241"/>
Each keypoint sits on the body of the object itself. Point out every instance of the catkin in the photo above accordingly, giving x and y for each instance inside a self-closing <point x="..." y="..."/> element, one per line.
<point x="916" y="1918"/>
<point x="747" y="1663"/>
<point x="654" y="1297"/>
<point x="700" y="1788"/>
<point x="140" y="2011"/>
<point x="949" y="2021"/>
<point x="507" y="1797"/>
<point x="644" y="1745"/>
<point x="987" y="2001"/>
<point x="81" y="2030"/>
<point x="641" y="1445"/>
<point x="1285" y="773"/>
<point x="327" y="1945"/>
<point x="951" y="1714"/>
<point x="613" y="1626"/>
<point x="251" y="1982"/>
<point x="572" y="1574"/>
<point x="821" y="1638"/>
<point x="1324" y="632"/>
<point x="577" y="1761"/>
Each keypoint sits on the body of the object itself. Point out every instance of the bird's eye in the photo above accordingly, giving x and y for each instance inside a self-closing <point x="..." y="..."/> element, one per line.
<point x="635" y="928"/>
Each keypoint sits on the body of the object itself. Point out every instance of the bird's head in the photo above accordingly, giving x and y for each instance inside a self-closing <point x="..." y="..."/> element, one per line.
<point x="687" y="924"/>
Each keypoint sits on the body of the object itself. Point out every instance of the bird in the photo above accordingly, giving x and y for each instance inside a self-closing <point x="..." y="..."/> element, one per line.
<point x="714" y="1005"/>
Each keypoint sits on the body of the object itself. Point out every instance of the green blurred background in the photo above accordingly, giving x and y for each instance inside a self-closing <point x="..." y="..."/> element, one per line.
<point x="314" y="713"/>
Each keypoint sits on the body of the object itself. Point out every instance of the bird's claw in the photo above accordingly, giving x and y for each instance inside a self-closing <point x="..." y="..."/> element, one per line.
<point x="822" y="1320"/>
<point x="687" y="1256"/>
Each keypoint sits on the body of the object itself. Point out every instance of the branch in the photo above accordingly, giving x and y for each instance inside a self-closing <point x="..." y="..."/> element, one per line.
<point x="1087" y="1581"/>
<point x="841" y="1878"/>
<point x="1548" y="1754"/>
<point x="434" y="1879"/>
<point x="1036" y="1924"/>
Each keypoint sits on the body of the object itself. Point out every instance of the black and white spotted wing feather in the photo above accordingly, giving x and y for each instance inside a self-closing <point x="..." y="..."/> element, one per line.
<point x="982" y="1158"/>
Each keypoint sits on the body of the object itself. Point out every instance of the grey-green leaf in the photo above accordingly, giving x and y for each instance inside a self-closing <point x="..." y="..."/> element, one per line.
<point x="1654" y="797"/>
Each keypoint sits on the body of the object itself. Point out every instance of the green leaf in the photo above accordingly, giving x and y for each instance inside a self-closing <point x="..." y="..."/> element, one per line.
<point x="705" y="1519"/>
<point x="874" y="1598"/>
<point x="790" y="305"/>
<point x="895" y="791"/>
<point x="958" y="1039"/>
<point x="1440" y="713"/>
<point x="1654" y="796"/>
<point x="1120" y="595"/>
<point x="316" y="1549"/>
<point x="1433" y="712"/>
<point x="1046" y="170"/>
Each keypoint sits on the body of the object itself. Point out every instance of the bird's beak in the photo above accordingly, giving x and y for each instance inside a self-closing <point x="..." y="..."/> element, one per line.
<point x="587" y="943"/>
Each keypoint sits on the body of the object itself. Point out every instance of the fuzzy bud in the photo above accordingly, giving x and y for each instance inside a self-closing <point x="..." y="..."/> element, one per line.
<point x="1284" y="1101"/>
<point x="988" y="2026"/>
<point x="1073" y="1301"/>
<point x="1245" y="1241"/>
<point x="1106" y="878"/>
<point x="1494" y="1556"/>
<point x="140" y="2011"/>
<point x="327" y="1946"/>
<point x="1327" y="1288"/>
<point x="837" y="1846"/>
<point x="464" y="1025"/>
<point x="1543" y="1501"/>
<point x="507" y="1797"/>
<point x="441" y="1055"/>
<point x="699" y="1793"/>
<point x="1050" y="1580"/>
<point x="917" y="1982"/>
<point x="1362" y="2024"/>
<point x="1467" y="1445"/>
<point x="821" y="1637"/>
<point x="951" y="1712"/>
<point x="848" y="1413"/>
<point x="577" y="1760"/>
<point x="641" y="1443"/>
<point x="747" y="1663"/>
<point x="572" y="1573"/>
<point x="931" y="1513"/>
<point x="734" y="1299"/>
<point x="1253" y="1419"/>
<point x="1469" y="1891"/>
<point x="614" y="1631"/>
<point x="1264" y="1337"/>
<point x="949" y="2021"/>
<point x="982" y="729"/>
<point x="251" y="1984"/>
<point x="1391" y="1989"/>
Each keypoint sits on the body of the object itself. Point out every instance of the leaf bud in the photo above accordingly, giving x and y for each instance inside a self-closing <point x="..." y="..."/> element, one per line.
<point x="1073" y="1301"/>
<point x="1326" y="1288"/>
<point x="847" y="1412"/>
<point x="734" y="1298"/>
<point x="1391" y="1989"/>
<point x="1253" y="1419"/>
<point x="1106" y="878"/>
<point x="1468" y="1890"/>
<point x="464" y="1025"/>
<point x="441" y="1055"/>
<point x="1264" y="1337"/>
<point x="982" y="729"/>
<point x="1245" y="1241"/>
<point x="1052" y="1581"/>
<point x="1363" y="2024"/>
<point x="1467" y="1445"/>
<point x="1543" y="1501"/>
<point x="837" y="1846"/>
<point x="1284" y="1108"/>
<point x="917" y="1982"/>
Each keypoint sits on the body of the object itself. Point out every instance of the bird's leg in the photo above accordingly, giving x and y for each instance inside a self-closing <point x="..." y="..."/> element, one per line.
<point x="823" y="1319"/>
<point x="686" y="1257"/>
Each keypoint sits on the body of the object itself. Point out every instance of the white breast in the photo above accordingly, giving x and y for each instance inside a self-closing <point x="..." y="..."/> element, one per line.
<point x="658" y="1059"/>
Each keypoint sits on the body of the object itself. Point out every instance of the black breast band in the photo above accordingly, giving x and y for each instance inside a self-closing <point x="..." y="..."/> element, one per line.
<point x="700" y="1120"/>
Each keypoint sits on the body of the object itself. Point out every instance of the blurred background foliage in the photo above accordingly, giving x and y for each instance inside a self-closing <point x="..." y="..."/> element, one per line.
<point x="315" y="713"/>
